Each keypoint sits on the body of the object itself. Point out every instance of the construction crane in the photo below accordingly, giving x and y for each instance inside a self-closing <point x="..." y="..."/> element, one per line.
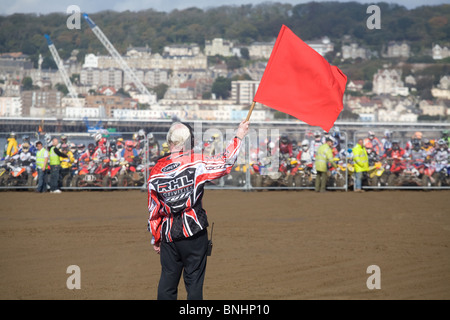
<point x="62" y="71"/>
<point x="117" y="57"/>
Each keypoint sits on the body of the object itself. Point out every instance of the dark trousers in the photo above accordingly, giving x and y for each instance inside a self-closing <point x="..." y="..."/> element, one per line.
<point x="321" y="181"/>
<point x="42" y="180"/>
<point x="187" y="256"/>
<point x="54" y="177"/>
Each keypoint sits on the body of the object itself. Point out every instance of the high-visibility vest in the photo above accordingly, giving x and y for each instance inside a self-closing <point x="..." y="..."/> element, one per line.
<point x="360" y="159"/>
<point x="54" y="158"/>
<point x="40" y="159"/>
<point x="323" y="156"/>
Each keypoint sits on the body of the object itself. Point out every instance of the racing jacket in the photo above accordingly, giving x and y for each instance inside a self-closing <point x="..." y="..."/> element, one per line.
<point x="175" y="191"/>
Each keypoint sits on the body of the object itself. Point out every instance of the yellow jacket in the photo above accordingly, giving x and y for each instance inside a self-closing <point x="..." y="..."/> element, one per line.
<point x="12" y="147"/>
<point x="360" y="159"/>
<point x="67" y="162"/>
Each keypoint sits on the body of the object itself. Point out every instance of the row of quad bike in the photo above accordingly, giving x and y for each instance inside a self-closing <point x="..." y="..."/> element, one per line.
<point x="290" y="172"/>
<point x="103" y="172"/>
<point x="389" y="172"/>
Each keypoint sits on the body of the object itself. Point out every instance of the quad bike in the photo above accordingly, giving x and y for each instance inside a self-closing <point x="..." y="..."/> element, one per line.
<point x="337" y="176"/>
<point x="14" y="173"/>
<point x="377" y="176"/>
<point x="92" y="175"/>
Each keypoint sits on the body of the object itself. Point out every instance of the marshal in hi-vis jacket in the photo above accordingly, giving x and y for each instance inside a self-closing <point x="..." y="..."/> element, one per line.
<point x="175" y="191"/>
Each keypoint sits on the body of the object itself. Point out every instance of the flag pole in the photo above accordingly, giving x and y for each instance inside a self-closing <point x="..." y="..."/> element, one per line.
<point x="250" y="111"/>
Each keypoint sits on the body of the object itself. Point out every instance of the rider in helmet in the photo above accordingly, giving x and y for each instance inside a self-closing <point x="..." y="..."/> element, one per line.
<point x="153" y="147"/>
<point x="376" y="143"/>
<point x="11" y="148"/>
<point x="285" y="146"/>
<point x="428" y="148"/>
<point x="165" y="149"/>
<point x="316" y="143"/>
<point x="386" y="141"/>
<point x="371" y="153"/>
<point x="129" y="153"/>
<point x="66" y="163"/>
<point x="441" y="155"/>
<point x="88" y="155"/>
<point x="304" y="154"/>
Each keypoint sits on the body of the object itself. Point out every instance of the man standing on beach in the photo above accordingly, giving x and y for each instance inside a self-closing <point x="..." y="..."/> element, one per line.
<point x="177" y="219"/>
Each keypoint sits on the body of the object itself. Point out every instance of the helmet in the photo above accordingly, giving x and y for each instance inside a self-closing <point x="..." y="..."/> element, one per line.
<point x="395" y="144"/>
<point x="97" y="136"/>
<point x="129" y="143"/>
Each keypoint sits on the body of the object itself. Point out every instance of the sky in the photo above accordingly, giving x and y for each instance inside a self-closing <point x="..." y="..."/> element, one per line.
<point x="8" y="7"/>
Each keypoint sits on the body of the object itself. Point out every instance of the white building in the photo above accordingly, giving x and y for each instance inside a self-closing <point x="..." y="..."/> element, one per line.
<point x="10" y="107"/>
<point x="180" y="50"/>
<point x="90" y="61"/>
<point x="398" y="50"/>
<point x="78" y="113"/>
<point x="439" y="52"/>
<point x="260" y="50"/>
<point x="243" y="91"/>
<point x="353" y="51"/>
<point x="387" y="81"/>
<point x="219" y="46"/>
<point x="322" y="46"/>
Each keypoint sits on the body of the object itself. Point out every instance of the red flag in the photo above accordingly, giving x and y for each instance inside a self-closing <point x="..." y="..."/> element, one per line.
<point x="300" y="82"/>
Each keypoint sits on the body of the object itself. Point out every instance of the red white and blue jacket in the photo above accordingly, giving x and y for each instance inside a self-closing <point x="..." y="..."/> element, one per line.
<point x="175" y="191"/>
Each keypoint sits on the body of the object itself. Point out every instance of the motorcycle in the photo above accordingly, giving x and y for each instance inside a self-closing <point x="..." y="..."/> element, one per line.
<point x="92" y="174"/>
<point x="428" y="178"/>
<point x="238" y="175"/>
<point x="304" y="176"/>
<point x="377" y="176"/>
<point x="288" y="168"/>
<point x="14" y="173"/>
<point x="394" y="167"/>
<point x="410" y="176"/>
<point x="442" y="174"/>
<point x="337" y="176"/>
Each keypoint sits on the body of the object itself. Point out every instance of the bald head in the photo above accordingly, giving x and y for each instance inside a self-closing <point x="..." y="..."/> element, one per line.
<point x="177" y="136"/>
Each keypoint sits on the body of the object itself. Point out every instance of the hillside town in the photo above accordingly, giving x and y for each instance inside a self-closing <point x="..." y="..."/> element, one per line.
<point x="186" y="74"/>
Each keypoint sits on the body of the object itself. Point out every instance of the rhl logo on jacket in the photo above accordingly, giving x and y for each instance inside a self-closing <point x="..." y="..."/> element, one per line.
<point x="175" y="191"/>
